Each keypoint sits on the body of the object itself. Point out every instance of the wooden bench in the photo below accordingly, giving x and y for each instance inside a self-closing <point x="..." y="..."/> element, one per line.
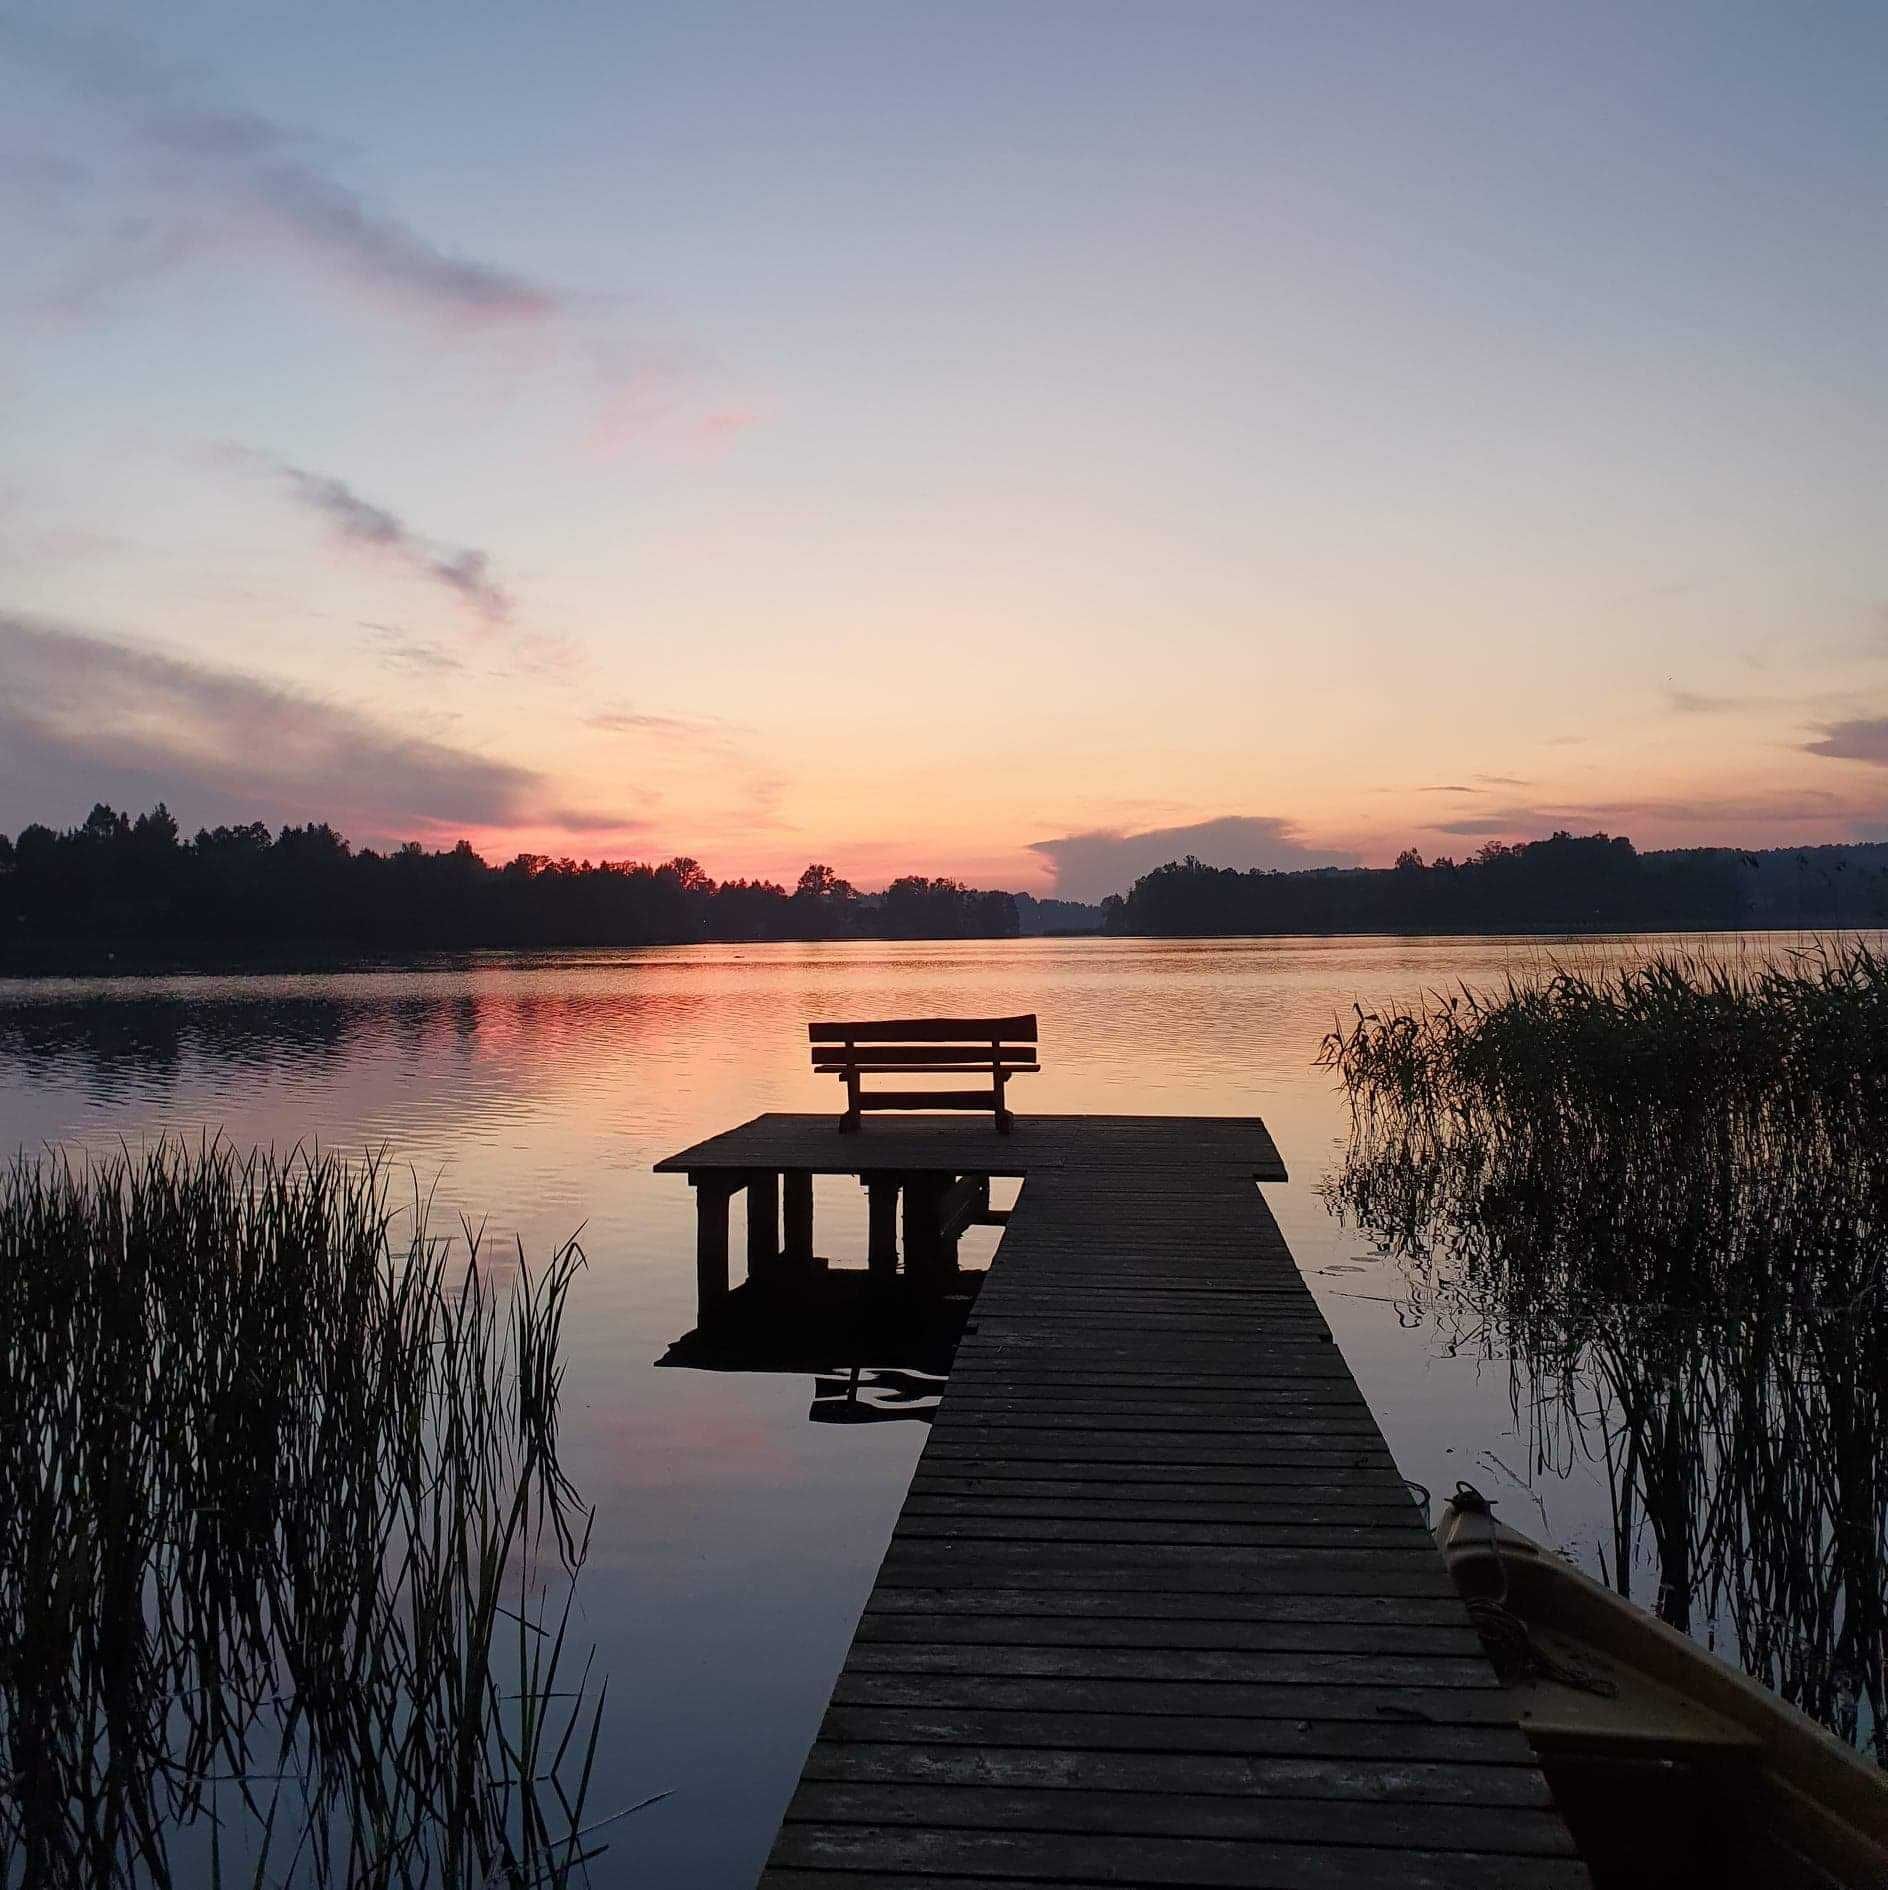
<point x="926" y="1046"/>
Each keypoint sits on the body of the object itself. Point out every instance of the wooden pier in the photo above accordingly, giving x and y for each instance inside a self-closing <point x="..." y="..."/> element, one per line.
<point x="1158" y="1608"/>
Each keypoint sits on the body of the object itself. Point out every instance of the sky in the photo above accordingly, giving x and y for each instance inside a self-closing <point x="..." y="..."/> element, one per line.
<point x="1024" y="441"/>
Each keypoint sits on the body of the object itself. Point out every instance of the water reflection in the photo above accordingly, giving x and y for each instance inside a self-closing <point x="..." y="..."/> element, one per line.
<point x="860" y="1396"/>
<point x="1710" y="1333"/>
<point x="833" y="1323"/>
<point x="735" y="1540"/>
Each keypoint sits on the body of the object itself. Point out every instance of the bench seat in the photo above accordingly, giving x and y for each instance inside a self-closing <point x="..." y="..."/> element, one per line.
<point x="1000" y="1047"/>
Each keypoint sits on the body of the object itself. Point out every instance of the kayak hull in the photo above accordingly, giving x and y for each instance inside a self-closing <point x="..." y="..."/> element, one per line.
<point x="1670" y="1766"/>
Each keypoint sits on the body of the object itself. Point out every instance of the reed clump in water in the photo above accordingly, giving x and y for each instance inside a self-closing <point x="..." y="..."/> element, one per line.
<point x="286" y="1556"/>
<point x="1662" y="1193"/>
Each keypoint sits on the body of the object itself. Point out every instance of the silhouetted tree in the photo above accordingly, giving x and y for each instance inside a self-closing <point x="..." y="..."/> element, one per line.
<point x="1566" y="882"/>
<point x="114" y="881"/>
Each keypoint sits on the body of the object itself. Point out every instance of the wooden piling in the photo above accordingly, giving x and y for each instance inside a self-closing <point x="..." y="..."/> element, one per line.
<point x="882" y="1223"/>
<point x="797" y="1240"/>
<point x="763" y="1222"/>
<point x="712" y="1194"/>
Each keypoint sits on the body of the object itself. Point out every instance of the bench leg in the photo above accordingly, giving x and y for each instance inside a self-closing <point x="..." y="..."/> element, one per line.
<point x="849" y="1122"/>
<point x="1005" y="1122"/>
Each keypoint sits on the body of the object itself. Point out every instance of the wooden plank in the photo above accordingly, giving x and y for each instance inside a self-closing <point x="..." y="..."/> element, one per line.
<point x="1208" y="1667"/>
<point x="989" y="1757"/>
<point x="1065" y="1859"/>
<point x="1141" y="1452"/>
<point x="998" y="1630"/>
<point x="1310" y="1428"/>
<point x="896" y="1056"/>
<point x="1248" y="1532"/>
<point x="1402" y="1705"/>
<point x="926" y="1030"/>
<point x="1526" y="1830"/>
<point x="933" y="1495"/>
<point x="1153" y="1605"/>
<point x="1365" y="1483"/>
<point x="1055" y="1569"/>
<point x="1278" y="1564"/>
<point x="1382" y="1748"/>
<point x="1327" y="1395"/>
<point x="1283" y="1532"/>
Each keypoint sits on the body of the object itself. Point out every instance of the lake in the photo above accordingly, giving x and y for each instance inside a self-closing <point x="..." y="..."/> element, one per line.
<point x="735" y="1539"/>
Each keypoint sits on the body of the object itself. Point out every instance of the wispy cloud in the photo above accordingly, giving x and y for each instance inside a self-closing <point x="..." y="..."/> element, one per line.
<point x="410" y="655"/>
<point x="212" y="174"/>
<point x="1864" y="738"/>
<point x="1093" y="864"/>
<point x="1718" y="819"/>
<point x="466" y="572"/>
<point x="665" y="727"/>
<point x="735" y="790"/>
<point x="1448" y="787"/>
<point x="1519" y="821"/>
<point x="86" y="717"/>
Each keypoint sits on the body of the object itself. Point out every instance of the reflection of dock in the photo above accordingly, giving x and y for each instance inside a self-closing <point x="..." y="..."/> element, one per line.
<point x="1158" y="1608"/>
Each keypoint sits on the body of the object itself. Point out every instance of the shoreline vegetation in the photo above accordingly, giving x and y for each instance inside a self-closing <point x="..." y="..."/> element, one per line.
<point x="1660" y="1194"/>
<point x="287" y="1561"/>
<point x="1565" y="883"/>
<point x="118" y="893"/>
<point x="115" y="882"/>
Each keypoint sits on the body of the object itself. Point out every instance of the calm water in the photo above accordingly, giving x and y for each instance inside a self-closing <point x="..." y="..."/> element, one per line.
<point x="735" y="1539"/>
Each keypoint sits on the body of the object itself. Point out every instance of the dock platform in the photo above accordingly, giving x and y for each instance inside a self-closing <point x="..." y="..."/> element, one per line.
<point x="1158" y="1608"/>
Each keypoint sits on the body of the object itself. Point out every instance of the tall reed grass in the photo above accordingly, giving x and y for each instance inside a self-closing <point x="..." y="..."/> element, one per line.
<point x="1662" y="1193"/>
<point x="286" y="1555"/>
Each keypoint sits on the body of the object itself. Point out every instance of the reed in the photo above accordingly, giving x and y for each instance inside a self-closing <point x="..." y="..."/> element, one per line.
<point x="286" y="1556"/>
<point x="1661" y="1194"/>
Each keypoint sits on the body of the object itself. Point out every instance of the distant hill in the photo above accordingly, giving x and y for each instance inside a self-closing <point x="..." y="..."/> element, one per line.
<point x="1590" y="882"/>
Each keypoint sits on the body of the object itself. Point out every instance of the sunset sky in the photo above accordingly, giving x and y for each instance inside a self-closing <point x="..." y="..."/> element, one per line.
<point x="984" y="439"/>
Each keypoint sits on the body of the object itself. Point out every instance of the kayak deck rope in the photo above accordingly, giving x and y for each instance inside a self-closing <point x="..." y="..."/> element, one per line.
<point x="1510" y="1643"/>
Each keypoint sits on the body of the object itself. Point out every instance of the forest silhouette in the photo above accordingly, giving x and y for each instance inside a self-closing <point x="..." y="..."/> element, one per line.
<point x="1568" y="882"/>
<point x="114" y="878"/>
<point x="122" y="884"/>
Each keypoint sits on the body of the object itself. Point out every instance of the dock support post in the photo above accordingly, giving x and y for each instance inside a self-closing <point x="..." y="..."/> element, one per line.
<point x="799" y="1217"/>
<point x="763" y="1223"/>
<point x="712" y="1195"/>
<point x="881" y="1194"/>
<point x="924" y="1251"/>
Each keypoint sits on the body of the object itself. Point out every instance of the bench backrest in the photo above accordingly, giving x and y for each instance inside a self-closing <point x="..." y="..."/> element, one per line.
<point x="888" y="1042"/>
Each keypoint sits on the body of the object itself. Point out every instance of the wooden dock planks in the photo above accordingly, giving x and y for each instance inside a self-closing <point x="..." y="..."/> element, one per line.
<point x="1158" y="1608"/>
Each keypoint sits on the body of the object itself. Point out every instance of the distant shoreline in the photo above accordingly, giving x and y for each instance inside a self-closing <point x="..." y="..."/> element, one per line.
<point x="49" y="963"/>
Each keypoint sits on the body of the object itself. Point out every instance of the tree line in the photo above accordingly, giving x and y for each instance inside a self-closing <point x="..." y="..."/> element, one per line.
<point x="124" y="884"/>
<point x="1569" y="882"/>
<point x="138" y="883"/>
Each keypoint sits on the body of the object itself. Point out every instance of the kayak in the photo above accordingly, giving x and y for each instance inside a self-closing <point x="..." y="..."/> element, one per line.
<point x="1670" y="1766"/>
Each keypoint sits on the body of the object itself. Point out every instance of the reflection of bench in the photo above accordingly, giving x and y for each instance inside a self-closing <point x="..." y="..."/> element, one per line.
<point x="926" y="1046"/>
